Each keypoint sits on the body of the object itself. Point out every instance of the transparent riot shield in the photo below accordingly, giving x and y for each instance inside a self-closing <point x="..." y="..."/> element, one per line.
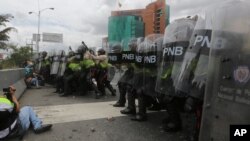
<point x="39" y="62"/>
<point x="137" y="80"/>
<point x="152" y="57"/>
<point x="56" y="58"/>
<point x="62" y="65"/>
<point x="51" y="55"/>
<point x="175" y="44"/>
<point x="227" y="94"/>
<point x="193" y="71"/>
<point x="129" y="56"/>
<point x="114" y="58"/>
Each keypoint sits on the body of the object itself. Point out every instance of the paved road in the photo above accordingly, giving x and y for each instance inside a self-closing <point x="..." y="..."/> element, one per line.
<point x="83" y="118"/>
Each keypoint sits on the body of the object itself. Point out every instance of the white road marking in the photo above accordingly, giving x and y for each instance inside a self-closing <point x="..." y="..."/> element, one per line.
<point x="77" y="112"/>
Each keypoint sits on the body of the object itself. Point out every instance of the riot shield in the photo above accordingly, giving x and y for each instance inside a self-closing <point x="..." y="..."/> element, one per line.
<point x="175" y="44"/>
<point x="152" y="56"/>
<point x="137" y="80"/>
<point x="51" y="55"/>
<point x="129" y="57"/>
<point x="192" y="73"/>
<point x="114" y="58"/>
<point x="56" y="63"/>
<point x="38" y="62"/>
<point x="62" y="65"/>
<point x="227" y="99"/>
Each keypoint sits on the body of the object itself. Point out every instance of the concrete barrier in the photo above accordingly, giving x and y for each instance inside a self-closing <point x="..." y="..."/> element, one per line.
<point x="13" y="77"/>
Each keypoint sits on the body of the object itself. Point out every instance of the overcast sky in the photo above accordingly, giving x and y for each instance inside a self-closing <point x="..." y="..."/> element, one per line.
<point x="79" y="20"/>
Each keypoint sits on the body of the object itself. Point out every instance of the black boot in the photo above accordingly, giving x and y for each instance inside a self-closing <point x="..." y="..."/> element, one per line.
<point x="63" y="94"/>
<point x="142" y="102"/>
<point x="155" y="107"/>
<point x="111" y="89"/>
<point x="113" y="92"/>
<point x="139" y="117"/>
<point x="128" y="111"/>
<point x="131" y="98"/>
<point x="57" y="91"/>
<point x="174" y="123"/>
<point x="98" y="95"/>
<point x="43" y="128"/>
<point x="118" y="104"/>
<point x="172" y="126"/>
<point x="122" y="97"/>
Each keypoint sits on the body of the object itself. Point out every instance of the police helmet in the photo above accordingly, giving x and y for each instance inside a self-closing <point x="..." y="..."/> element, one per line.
<point x="71" y="53"/>
<point x="44" y="54"/>
<point x="116" y="48"/>
<point x="101" y="51"/>
<point x="132" y="44"/>
<point x="81" y="49"/>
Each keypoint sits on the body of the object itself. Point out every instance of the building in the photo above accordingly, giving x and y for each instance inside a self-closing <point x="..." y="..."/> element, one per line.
<point x="122" y="28"/>
<point x="155" y="18"/>
<point x="105" y="42"/>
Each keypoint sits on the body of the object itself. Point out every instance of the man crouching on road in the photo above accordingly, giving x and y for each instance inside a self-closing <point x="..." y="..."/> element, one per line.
<point x="14" y="122"/>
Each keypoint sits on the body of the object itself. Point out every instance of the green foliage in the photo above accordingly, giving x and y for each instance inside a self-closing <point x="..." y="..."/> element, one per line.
<point x="7" y="64"/>
<point x="21" y="55"/>
<point x="5" y="30"/>
<point x="17" y="59"/>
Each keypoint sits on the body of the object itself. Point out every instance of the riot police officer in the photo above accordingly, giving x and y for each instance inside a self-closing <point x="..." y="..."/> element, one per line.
<point x="72" y="73"/>
<point x="135" y="83"/>
<point x="114" y="72"/>
<point x="86" y="76"/>
<point x="61" y="69"/>
<point x="55" y="64"/>
<point x="192" y="76"/>
<point x="176" y="41"/>
<point x="152" y="54"/>
<point x="45" y="66"/>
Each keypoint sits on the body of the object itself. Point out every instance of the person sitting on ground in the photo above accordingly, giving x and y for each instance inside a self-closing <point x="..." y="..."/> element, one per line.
<point x="15" y="121"/>
<point x="31" y="78"/>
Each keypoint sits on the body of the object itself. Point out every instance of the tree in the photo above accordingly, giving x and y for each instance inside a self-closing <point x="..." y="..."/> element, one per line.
<point x="4" y="32"/>
<point x="17" y="58"/>
<point x="21" y="54"/>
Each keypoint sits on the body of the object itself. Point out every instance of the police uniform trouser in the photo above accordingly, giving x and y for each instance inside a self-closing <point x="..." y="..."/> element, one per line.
<point x="109" y="86"/>
<point x="59" y="84"/>
<point x="101" y="80"/>
<point x="131" y="95"/>
<point x="71" y="82"/>
<point x="122" y="90"/>
<point x="84" y="81"/>
<point x="174" y="107"/>
<point x="45" y="72"/>
<point x="144" y="101"/>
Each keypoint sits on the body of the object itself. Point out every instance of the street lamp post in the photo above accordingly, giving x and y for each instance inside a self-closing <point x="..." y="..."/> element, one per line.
<point x="38" y="25"/>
